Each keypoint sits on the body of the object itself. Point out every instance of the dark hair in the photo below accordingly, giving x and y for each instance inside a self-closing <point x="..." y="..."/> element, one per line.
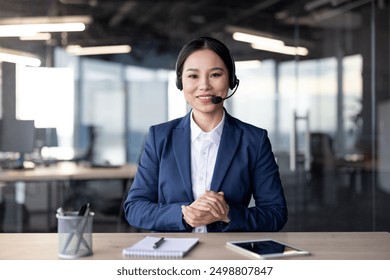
<point x="206" y="43"/>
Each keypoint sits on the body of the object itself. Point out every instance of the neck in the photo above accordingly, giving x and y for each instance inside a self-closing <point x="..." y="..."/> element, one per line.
<point x="207" y="122"/>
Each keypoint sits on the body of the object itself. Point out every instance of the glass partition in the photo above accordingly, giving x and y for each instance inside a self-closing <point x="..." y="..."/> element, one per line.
<point x="326" y="113"/>
<point x="327" y="117"/>
<point x="341" y="191"/>
<point x="102" y="90"/>
<point x="146" y="92"/>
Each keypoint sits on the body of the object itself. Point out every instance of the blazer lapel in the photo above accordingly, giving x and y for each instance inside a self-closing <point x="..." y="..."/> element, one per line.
<point x="181" y="139"/>
<point x="230" y="141"/>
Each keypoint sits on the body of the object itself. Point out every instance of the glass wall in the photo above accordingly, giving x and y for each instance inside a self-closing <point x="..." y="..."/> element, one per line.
<point x="102" y="89"/>
<point x="146" y="92"/>
<point x="326" y="116"/>
<point x="326" y="113"/>
<point x="110" y="107"/>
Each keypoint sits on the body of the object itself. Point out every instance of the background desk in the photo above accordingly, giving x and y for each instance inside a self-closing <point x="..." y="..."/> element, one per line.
<point x="56" y="177"/>
<point x="323" y="246"/>
<point x="67" y="171"/>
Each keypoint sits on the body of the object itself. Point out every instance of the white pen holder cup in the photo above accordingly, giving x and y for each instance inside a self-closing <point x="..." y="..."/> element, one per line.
<point x="74" y="235"/>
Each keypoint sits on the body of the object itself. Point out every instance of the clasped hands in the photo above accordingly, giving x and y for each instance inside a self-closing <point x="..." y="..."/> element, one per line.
<point x="209" y="208"/>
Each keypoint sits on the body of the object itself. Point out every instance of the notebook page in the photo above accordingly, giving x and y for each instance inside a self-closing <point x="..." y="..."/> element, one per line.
<point x="170" y="248"/>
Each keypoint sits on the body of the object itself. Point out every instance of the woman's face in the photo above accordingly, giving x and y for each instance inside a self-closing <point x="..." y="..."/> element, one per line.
<point x="204" y="75"/>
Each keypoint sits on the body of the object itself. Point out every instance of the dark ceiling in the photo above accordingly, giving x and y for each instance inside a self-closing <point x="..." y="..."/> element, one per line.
<point x="164" y="26"/>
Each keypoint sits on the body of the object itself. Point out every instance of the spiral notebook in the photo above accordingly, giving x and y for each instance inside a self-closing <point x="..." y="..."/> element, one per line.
<point x="169" y="248"/>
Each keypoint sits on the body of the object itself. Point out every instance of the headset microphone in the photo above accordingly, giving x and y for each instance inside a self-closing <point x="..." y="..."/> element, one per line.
<point x="219" y="99"/>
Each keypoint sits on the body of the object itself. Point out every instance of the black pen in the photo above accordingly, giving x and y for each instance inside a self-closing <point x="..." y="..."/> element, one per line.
<point x="158" y="243"/>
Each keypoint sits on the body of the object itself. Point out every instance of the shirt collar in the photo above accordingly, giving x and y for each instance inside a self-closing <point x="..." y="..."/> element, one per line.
<point x="214" y="134"/>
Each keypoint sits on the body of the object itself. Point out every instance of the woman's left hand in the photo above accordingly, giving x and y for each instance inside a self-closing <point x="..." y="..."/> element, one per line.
<point x="210" y="207"/>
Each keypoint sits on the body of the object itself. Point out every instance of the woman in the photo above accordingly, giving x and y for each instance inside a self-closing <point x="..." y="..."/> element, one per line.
<point x="198" y="173"/>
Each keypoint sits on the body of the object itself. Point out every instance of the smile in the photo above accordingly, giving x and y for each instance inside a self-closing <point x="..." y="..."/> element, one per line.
<point x="205" y="97"/>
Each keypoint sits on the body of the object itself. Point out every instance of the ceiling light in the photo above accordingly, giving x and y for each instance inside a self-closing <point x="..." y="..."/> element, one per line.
<point x="259" y="40"/>
<point x="248" y="64"/>
<point x="98" y="50"/>
<point x="17" y="30"/>
<point x="18" y="57"/>
<point x="36" y="37"/>
<point x="29" y="26"/>
<point x="35" y="20"/>
<point x="269" y="44"/>
<point x="288" y="50"/>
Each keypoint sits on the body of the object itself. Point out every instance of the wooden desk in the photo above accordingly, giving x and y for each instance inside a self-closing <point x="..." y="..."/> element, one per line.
<point x="108" y="246"/>
<point x="67" y="171"/>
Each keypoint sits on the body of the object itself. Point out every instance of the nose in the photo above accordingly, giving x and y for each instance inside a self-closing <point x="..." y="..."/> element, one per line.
<point x="204" y="83"/>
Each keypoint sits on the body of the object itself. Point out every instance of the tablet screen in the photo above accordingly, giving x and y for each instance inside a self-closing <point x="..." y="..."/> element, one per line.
<point x="266" y="248"/>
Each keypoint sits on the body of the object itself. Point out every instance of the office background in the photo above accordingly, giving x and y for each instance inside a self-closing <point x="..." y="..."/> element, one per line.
<point x="326" y="111"/>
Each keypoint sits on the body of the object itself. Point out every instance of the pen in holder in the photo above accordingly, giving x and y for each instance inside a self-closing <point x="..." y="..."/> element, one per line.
<point x="75" y="232"/>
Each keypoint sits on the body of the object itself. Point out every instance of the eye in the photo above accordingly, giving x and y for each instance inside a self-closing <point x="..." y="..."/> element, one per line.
<point x="192" y="76"/>
<point x="216" y="75"/>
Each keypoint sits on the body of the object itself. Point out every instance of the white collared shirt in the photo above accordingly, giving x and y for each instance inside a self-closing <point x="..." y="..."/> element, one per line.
<point x="204" y="149"/>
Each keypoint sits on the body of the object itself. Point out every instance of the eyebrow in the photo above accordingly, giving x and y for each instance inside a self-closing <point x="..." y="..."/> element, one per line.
<point x="212" y="69"/>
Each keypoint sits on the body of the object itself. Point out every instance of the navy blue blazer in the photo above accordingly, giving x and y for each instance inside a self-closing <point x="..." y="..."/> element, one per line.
<point x="245" y="166"/>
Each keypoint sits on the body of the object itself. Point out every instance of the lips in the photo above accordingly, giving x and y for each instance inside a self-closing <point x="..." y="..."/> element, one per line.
<point x="205" y="97"/>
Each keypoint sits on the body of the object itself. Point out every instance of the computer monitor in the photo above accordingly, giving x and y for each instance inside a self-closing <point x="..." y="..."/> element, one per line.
<point x="46" y="137"/>
<point x="17" y="136"/>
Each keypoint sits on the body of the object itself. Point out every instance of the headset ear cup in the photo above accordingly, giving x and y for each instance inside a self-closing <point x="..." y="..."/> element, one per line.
<point x="179" y="84"/>
<point x="233" y="82"/>
<point x="233" y="77"/>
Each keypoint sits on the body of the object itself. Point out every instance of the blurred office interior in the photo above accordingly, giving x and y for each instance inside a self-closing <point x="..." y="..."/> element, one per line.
<point x="322" y="92"/>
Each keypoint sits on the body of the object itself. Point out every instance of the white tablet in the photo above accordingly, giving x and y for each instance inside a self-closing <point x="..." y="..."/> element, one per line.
<point x="265" y="249"/>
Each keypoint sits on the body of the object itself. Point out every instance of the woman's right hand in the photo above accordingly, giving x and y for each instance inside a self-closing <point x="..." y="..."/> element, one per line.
<point x="210" y="207"/>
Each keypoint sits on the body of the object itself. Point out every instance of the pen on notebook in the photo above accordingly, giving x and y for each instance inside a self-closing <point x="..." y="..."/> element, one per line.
<point x="158" y="243"/>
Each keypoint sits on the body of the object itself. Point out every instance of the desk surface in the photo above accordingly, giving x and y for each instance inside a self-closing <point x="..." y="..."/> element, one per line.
<point x="68" y="171"/>
<point x="108" y="246"/>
